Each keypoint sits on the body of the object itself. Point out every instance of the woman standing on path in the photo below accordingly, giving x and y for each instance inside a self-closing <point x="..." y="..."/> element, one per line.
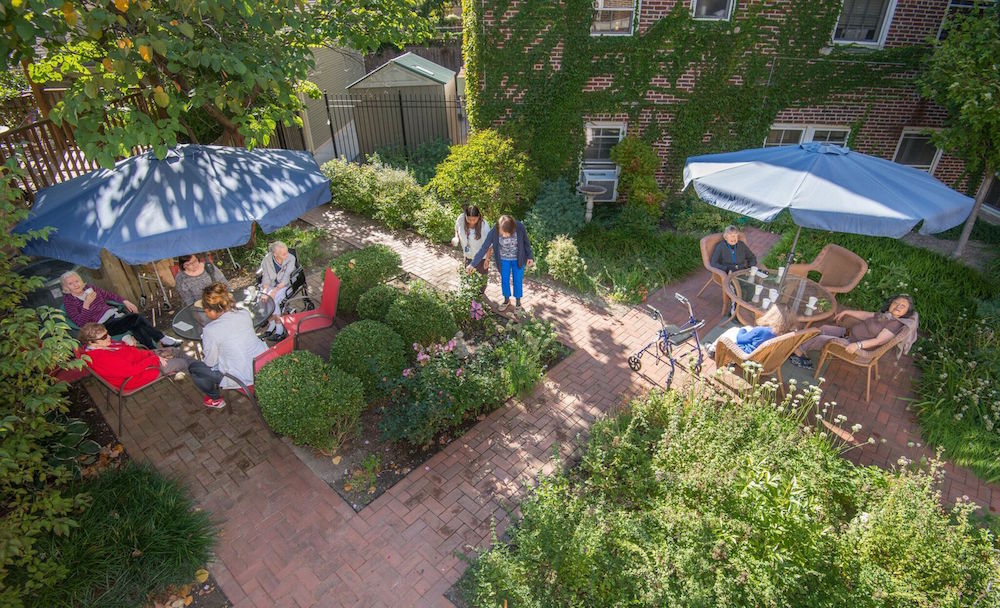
<point x="471" y="229"/>
<point x="511" y="253"/>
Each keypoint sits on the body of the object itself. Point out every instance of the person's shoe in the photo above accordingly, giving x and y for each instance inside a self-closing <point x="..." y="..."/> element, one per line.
<point x="168" y="341"/>
<point x="803" y="362"/>
<point x="215" y="404"/>
<point x="517" y="303"/>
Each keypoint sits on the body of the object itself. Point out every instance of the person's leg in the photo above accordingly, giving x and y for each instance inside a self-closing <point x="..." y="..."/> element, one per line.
<point x="176" y="360"/>
<point x="518" y="282"/>
<point x="505" y="272"/>
<point x="134" y="324"/>
<point x="729" y="334"/>
<point x="206" y="379"/>
<point x="826" y="333"/>
<point x="278" y="329"/>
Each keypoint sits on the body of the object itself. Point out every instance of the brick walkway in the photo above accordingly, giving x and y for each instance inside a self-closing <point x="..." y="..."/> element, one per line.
<point x="289" y="540"/>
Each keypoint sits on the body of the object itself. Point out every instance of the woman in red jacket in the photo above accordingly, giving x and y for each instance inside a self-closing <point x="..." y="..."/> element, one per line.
<point x="115" y="361"/>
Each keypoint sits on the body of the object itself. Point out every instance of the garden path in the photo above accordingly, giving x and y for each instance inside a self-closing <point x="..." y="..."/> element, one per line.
<point x="289" y="540"/>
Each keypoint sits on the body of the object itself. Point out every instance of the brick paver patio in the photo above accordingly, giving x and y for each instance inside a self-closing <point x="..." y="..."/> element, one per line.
<point x="289" y="540"/>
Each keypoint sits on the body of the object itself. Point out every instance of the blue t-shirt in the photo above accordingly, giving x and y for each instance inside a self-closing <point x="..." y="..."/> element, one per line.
<point x="749" y="340"/>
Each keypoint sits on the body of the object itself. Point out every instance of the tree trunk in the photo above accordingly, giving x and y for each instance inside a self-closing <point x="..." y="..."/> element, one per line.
<point x="969" y="223"/>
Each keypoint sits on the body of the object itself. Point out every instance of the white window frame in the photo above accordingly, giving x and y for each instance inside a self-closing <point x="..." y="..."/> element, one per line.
<point x="921" y="132"/>
<point x="890" y="11"/>
<point x="808" y="132"/>
<point x="599" y="6"/>
<point x="729" y="12"/>
<point x="586" y="168"/>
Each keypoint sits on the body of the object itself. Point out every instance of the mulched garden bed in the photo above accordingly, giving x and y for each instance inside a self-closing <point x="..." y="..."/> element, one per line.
<point x="203" y="592"/>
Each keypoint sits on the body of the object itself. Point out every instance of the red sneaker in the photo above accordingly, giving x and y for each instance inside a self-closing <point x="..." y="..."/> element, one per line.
<point x="215" y="404"/>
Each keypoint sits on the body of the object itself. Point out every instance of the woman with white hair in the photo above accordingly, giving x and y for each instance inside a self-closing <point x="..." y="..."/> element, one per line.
<point x="89" y="304"/>
<point x="276" y="272"/>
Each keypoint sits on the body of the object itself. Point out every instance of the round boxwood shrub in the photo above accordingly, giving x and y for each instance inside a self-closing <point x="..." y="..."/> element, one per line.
<point x="421" y="316"/>
<point x="309" y="401"/>
<point x="368" y="350"/>
<point x="361" y="270"/>
<point x="374" y="304"/>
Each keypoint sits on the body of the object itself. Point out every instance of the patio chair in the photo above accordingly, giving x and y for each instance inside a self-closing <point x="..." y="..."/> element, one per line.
<point x="121" y="391"/>
<point x="312" y="320"/>
<point x="770" y="355"/>
<point x="867" y="359"/>
<point x="718" y="277"/>
<point x="840" y="269"/>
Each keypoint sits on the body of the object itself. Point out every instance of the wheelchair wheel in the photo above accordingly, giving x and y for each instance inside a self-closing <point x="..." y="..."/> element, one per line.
<point x="634" y="363"/>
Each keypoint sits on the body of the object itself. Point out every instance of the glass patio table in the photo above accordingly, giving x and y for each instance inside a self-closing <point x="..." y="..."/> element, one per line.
<point x="806" y="299"/>
<point x="188" y="321"/>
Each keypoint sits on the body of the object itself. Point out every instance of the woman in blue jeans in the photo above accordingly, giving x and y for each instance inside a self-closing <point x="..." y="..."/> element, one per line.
<point x="511" y="254"/>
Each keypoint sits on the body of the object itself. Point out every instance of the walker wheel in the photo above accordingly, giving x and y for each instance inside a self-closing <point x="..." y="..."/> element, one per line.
<point x="662" y="345"/>
<point x="697" y="369"/>
<point x="634" y="363"/>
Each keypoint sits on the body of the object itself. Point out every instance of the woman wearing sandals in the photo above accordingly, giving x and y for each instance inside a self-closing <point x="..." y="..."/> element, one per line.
<point x="511" y="253"/>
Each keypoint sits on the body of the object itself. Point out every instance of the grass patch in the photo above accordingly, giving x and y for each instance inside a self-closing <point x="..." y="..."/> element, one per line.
<point x="140" y="534"/>
<point x="306" y="243"/>
<point x="957" y="399"/>
<point x="981" y="231"/>
<point x="631" y="262"/>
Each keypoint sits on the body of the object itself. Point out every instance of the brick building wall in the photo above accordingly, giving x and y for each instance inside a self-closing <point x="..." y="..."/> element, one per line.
<point x="883" y="115"/>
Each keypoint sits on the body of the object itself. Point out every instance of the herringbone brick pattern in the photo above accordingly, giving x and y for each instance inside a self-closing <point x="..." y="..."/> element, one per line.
<point x="289" y="540"/>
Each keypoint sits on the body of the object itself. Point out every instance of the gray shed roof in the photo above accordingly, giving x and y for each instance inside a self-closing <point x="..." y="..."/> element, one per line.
<point x="417" y="65"/>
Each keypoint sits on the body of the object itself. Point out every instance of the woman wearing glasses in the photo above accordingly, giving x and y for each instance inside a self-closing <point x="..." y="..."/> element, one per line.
<point x="194" y="276"/>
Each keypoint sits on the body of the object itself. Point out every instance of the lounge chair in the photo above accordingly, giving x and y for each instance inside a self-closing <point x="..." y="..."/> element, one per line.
<point x="867" y="359"/>
<point x="770" y="355"/>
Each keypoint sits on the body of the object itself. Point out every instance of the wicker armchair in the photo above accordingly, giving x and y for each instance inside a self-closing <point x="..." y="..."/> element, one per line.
<point x="718" y="277"/>
<point x="840" y="269"/>
<point x="770" y="355"/>
<point x="868" y="359"/>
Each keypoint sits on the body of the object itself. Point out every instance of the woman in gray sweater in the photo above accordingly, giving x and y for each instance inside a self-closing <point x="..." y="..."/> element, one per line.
<point x="194" y="276"/>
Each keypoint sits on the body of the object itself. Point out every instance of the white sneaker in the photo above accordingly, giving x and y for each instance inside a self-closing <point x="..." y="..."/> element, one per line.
<point x="168" y="341"/>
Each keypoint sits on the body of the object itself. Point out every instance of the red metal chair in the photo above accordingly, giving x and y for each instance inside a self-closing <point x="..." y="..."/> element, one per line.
<point x="321" y="318"/>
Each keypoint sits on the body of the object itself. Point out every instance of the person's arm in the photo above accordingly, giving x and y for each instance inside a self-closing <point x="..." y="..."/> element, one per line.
<point x="527" y="242"/>
<point x="104" y="295"/>
<point x="487" y="243"/>
<point x="210" y="348"/>
<point x="860" y="315"/>
<point x="749" y="259"/>
<point x="718" y="259"/>
<point x="883" y="336"/>
<point x="74" y="310"/>
<point x="217" y="276"/>
<point x="266" y="272"/>
<point x="285" y="278"/>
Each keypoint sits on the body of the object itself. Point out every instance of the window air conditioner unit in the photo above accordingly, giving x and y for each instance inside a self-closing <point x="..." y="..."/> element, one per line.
<point x="605" y="178"/>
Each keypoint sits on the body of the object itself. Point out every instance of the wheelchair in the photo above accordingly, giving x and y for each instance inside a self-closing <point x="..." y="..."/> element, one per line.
<point x="297" y="293"/>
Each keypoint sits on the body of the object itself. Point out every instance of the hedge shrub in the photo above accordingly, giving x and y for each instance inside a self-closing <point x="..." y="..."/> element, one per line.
<point x="311" y="402"/>
<point x="398" y="197"/>
<point x="435" y="221"/>
<point x="421" y="161"/>
<point x="565" y="264"/>
<point x="352" y="186"/>
<point x="374" y="304"/>
<point x="421" y="316"/>
<point x="558" y="210"/>
<point x="361" y="270"/>
<point x="141" y="533"/>
<point x="368" y="350"/>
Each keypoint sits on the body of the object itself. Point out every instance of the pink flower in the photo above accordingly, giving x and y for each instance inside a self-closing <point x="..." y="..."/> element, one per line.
<point x="408" y="372"/>
<point x="458" y="372"/>
<point x="423" y="357"/>
<point x="476" y="311"/>
<point x="450" y="346"/>
<point x="416" y="347"/>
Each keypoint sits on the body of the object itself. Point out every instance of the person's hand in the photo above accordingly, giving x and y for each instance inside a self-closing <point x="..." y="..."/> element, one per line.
<point x="89" y="299"/>
<point x="130" y="306"/>
<point x="853" y="348"/>
<point x="162" y="361"/>
<point x="129" y="339"/>
<point x="469" y="270"/>
<point x="530" y="263"/>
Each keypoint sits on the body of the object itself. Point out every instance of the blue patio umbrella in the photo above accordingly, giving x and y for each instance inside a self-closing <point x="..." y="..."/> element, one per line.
<point x="198" y="198"/>
<point x="827" y="187"/>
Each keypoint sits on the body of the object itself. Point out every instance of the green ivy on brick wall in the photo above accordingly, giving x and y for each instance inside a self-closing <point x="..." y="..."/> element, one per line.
<point x="725" y="81"/>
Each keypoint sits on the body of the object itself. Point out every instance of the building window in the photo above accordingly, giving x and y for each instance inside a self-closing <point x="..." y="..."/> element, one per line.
<point x="864" y="21"/>
<point x="718" y="10"/>
<point x="918" y="151"/>
<point x="597" y="168"/>
<point x="784" y="135"/>
<point x="963" y="7"/>
<point x="993" y="195"/>
<point x="613" y="17"/>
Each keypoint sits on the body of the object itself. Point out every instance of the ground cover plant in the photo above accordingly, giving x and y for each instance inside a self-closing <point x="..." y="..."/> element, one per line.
<point x="140" y="534"/>
<point x="957" y="399"/>
<point x="630" y="257"/>
<point x="685" y="501"/>
<point x="305" y="242"/>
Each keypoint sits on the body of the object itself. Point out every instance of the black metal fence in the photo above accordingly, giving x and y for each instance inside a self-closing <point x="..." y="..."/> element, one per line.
<point x="362" y="124"/>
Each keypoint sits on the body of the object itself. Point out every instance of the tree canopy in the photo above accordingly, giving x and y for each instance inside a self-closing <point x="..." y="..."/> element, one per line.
<point x="962" y="75"/>
<point x="243" y="62"/>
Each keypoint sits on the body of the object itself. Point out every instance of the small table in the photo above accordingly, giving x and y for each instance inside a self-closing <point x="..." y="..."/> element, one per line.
<point x="187" y="325"/>
<point x="755" y="294"/>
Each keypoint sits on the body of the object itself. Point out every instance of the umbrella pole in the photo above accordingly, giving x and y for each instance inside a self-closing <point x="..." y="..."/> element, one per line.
<point x="791" y="252"/>
<point x="163" y="290"/>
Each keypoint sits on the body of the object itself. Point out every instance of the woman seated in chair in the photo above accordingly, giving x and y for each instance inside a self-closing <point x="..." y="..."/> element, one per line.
<point x="774" y="322"/>
<point x="89" y="304"/>
<point x="276" y="273"/>
<point x="731" y="253"/>
<point x="115" y="361"/>
<point x="860" y="330"/>
<point x="229" y="343"/>
<point x="194" y="276"/>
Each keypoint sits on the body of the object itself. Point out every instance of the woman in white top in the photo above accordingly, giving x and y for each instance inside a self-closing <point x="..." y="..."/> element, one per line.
<point x="471" y="230"/>
<point x="228" y="341"/>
